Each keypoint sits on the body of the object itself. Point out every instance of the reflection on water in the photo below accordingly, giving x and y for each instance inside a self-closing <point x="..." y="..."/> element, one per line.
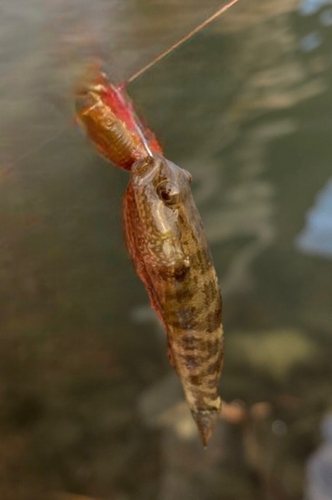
<point x="316" y="238"/>
<point x="308" y="7"/>
<point x="89" y="404"/>
<point x="319" y="466"/>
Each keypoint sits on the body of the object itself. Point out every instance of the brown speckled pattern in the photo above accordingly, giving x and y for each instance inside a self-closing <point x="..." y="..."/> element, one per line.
<point x="170" y="252"/>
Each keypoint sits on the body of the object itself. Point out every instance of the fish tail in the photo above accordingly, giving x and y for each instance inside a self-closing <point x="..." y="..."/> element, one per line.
<point x="198" y="362"/>
<point x="206" y="421"/>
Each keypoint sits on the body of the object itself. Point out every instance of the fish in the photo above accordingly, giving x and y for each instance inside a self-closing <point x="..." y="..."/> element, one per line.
<point x="170" y="252"/>
<point x="164" y="235"/>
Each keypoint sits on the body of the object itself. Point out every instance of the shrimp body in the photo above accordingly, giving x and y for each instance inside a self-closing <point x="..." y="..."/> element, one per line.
<point x="168" y="246"/>
<point x="110" y="121"/>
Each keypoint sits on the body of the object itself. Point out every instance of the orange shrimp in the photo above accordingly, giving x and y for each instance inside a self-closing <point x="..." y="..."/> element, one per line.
<point x="110" y="120"/>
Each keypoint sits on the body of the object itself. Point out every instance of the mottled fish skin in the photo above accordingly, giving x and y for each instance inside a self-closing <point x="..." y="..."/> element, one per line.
<point x="168" y="246"/>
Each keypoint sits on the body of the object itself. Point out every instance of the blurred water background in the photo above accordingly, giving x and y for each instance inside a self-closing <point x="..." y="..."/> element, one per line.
<point x="89" y="406"/>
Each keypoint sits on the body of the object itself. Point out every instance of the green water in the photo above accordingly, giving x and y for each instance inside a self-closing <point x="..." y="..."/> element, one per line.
<point x="89" y="404"/>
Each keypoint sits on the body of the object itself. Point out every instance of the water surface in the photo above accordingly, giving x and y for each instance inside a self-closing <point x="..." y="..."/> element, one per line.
<point x="89" y="403"/>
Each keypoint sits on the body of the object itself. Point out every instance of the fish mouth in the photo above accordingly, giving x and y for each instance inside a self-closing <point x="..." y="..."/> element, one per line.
<point x="206" y="421"/>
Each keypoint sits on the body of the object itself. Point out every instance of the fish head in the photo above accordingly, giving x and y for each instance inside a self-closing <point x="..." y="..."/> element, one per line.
<point x="160" y="191"/>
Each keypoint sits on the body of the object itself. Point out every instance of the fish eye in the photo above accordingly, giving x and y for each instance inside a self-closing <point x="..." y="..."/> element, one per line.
<point x="168" y="193"/>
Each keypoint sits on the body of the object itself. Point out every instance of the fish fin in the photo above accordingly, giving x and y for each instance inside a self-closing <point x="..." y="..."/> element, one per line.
<point x="131" y="226"/>
<point x="170" y="357"/>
